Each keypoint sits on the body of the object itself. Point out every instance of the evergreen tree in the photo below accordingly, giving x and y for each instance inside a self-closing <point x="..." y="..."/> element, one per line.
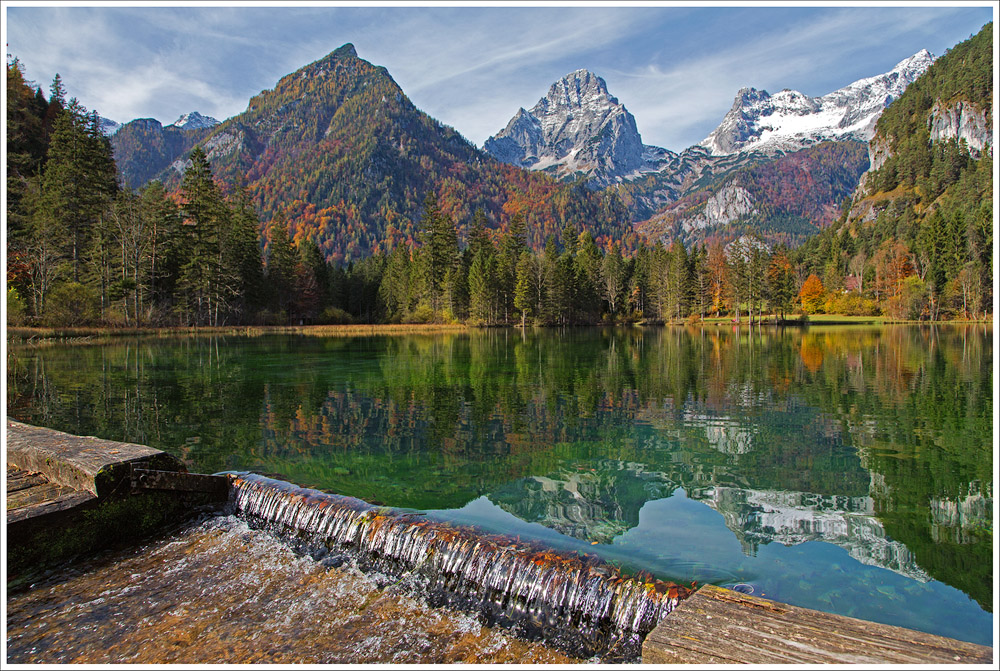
<point x="440" y="249"/>
<point x="166" y="244"/>
<point x="477" y="233"/>
<point x="79" y="181"/>
<point x="482" y="286"/>
<point x="512" y="245"/>
<point x="312" y="259"/>
<point x="549" y="291"/>
<point x="757" y="264"/>
<point x="281" y="265"/>
<point x="200" y="244"/>
<point x="613" y="274"/>
<point x="738" y="275"/>
<point x="526" y="291"/>
<point x="25" y="151"/>
<point x="780" y="283"/>
<point x="701" y="282"/>
<point x="676" y="283"/>
<point x="588" y="281"/>
<point x="242" y="266"/>
<point x="395" y="285"/>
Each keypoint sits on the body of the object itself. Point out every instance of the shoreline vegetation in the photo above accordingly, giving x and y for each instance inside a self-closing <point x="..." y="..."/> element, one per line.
<point x="34" y="334"/>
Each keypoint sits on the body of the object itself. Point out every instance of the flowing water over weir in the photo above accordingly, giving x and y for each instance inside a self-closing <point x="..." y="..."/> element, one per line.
<point x="575" y="603"/>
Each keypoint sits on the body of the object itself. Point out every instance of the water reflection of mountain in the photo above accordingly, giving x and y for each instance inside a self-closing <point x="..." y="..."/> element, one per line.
<point x="790" y="518"/>
<point x="596" y="502"/>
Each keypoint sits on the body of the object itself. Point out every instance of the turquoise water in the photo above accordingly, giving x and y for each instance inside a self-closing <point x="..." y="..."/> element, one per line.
<point x="847" y="469"/>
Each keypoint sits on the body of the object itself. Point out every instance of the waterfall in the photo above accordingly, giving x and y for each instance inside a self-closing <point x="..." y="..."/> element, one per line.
<point x="577" y="603"/>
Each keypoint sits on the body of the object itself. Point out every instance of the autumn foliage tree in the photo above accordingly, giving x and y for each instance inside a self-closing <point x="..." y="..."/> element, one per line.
<point x="812" y="295"/>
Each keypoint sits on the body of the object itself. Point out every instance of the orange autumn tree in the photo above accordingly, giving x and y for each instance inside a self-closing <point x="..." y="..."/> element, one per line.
<point x="812" y="294"/>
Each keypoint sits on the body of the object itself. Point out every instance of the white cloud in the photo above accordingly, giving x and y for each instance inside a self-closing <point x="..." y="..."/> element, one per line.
<point x="676" y="69"/>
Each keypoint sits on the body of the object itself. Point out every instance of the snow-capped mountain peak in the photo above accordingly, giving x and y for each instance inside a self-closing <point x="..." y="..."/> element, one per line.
<point x="789" y="120"/>
<point x="194" y="120"/>
<point x="577" y="127"/>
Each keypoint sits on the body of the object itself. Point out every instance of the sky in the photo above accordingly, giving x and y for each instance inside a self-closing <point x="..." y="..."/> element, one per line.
<point x="675" y="66"/>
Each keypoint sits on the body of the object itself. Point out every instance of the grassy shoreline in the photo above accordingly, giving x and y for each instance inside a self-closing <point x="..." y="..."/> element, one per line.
<point x="38" y="333"/>
<point x="29" y="334"/>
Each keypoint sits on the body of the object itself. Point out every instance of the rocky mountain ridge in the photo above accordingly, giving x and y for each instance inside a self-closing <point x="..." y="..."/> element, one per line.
<point x="577" y="128"/>
<point x="580" y="130"/>
<point x="339" y="149"/>
<point x="789" y="120"/>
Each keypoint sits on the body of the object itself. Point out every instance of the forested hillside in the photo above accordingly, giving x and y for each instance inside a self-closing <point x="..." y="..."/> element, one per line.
<point x="785" y="199"/>
<point x="918" y="235"/>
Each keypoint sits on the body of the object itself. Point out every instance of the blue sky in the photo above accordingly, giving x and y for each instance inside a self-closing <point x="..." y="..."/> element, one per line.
<point x="675" y="67"/>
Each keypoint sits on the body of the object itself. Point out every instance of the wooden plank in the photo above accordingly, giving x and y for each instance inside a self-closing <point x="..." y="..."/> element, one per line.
<point x="720" y="626"/>
<point x="18" y="479"/>
<point x="81" y="462"/>
<point x="62" y="503"/>
<point x="37" y="494"/>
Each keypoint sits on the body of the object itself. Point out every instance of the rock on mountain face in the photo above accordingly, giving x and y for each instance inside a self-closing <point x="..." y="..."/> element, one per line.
<point x="962" y="120"/>
<point x="789" y="120"/>
<point x="193" y="121"/>
<point x="784" y="198"/>
<point x="577" y="128"/>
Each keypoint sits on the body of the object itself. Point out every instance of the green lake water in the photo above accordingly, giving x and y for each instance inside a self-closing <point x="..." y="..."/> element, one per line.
<point x="846" y="469"/>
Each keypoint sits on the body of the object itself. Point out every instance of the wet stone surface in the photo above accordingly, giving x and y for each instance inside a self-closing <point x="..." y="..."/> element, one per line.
<point x="220" y="592"/>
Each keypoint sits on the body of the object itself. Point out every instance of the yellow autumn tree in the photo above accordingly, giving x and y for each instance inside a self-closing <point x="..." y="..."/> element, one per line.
<point x="812" y="294"/>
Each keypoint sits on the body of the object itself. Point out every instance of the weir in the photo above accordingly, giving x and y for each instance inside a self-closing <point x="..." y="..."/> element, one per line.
<point x="576" y="603"/>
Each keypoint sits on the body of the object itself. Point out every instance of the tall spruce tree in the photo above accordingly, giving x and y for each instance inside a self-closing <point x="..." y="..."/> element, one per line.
<point x="281" y="262"/>
<point x="440" y="249"/>
<point x="203" y="216"/>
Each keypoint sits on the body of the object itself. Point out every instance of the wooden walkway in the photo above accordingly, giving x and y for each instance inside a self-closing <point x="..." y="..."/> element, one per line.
<point x="720" y="626"/>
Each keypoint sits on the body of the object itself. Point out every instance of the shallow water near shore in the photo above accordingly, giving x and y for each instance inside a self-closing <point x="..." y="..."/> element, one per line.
<point x="221" y="592"/>
<point x="845" y="469"/>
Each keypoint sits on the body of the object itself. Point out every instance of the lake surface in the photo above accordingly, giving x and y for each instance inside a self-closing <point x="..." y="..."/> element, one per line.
<point x="846" y="469"/>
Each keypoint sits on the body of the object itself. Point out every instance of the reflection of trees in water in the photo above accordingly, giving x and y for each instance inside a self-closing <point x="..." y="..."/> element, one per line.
<point x="436" y="420"/>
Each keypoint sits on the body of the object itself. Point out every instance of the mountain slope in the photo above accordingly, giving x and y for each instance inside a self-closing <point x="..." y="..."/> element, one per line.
<point x="144" y="148"/>
<point x="919" y="230"/>
<point x="340" y="149"/>
<point x="579" y="130"/>
<point x="785" y="199"/>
